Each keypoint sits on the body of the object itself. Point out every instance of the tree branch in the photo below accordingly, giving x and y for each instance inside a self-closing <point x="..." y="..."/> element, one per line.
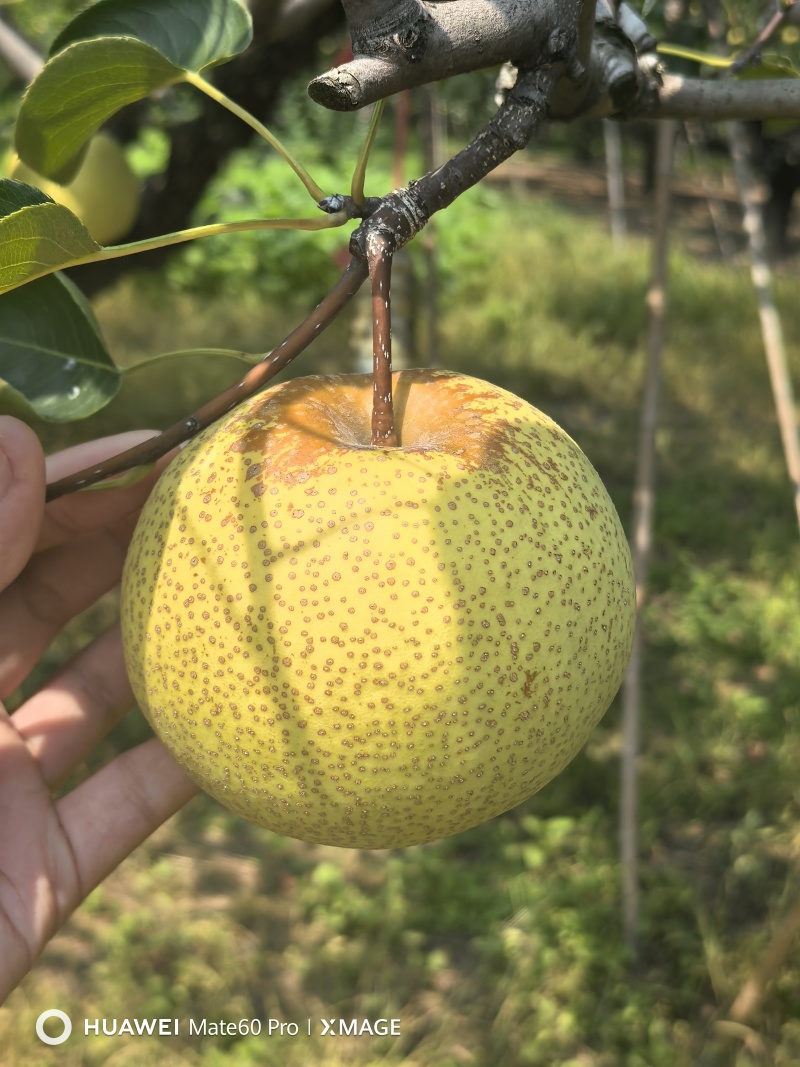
<point x="156" y="447"/>
<point x="409" y="43"/>
<point x="414" y="43"/>
<point x="642" y="540"/>
<point x="405" y="212"/>
<point x="771" y="327"/>
<point x="718" y="101"/>
<point x="753" y="52"/>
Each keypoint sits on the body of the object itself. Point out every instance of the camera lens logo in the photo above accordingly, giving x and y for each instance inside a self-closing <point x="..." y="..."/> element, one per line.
<point x="53" y="1013"/>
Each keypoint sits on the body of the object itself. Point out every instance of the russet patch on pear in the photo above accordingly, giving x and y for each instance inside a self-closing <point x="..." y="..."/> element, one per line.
<point x="377" y="647"/>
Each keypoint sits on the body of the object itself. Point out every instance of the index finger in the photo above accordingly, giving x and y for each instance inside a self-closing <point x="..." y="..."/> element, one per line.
<point x="80" y="512"/>
<point x="22" y="492"/>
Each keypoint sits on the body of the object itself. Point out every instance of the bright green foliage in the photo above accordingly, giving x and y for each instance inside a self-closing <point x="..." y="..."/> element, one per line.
<point x="52" y="130"/>
<point x="114" y="53"/>
<point x="295" y="266"/>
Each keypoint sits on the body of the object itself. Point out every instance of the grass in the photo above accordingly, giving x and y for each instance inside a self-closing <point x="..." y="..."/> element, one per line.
<point x="503" y="945"/>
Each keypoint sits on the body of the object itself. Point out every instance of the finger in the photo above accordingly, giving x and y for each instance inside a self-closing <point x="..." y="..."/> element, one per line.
<point x="88" y="535"/>
<point x="21" y="496"/>
<point x="106" y="817"/>
<point x="55" y="586"/>
<point x="65" y="720"/>
<point x="77" y="513"/>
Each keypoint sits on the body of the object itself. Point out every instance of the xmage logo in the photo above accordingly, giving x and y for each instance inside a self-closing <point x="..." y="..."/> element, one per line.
<point x="359" y="1028"/>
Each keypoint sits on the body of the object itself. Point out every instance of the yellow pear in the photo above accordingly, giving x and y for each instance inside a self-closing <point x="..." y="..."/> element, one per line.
<point x="104" y="194"/>
<point x="377" y="647"/>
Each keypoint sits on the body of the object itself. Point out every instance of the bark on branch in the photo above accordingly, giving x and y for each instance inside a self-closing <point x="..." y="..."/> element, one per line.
<point x="611" y="66"/>
<point x="718" y="101"/>
<point x="412" y="43"/>
<point x="403" y="213"/>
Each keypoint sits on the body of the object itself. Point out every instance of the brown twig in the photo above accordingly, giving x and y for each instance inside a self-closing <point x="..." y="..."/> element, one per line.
<point x="255" y="379"/>
<point x="405" y="212"/>
<point x="399" y="216"/>
<point x="752" y="53"/>
<point x="380" y="249"/>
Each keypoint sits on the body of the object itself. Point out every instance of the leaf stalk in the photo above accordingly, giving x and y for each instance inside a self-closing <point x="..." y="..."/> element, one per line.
<point x="199" y="82"/>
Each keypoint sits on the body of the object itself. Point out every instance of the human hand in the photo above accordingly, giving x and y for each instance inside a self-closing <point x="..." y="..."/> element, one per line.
<point x="55" y="561"/>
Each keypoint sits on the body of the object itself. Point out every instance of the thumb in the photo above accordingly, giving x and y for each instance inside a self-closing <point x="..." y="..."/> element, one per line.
<point x="21" y="496"/>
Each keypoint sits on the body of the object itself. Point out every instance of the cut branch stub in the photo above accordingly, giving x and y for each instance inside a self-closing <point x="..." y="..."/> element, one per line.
<point x="414" y="44"/>
<point x="380" y="249"/>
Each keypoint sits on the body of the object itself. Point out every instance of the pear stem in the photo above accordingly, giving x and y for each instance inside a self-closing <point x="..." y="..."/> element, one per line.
<point x="255" y="379"/>
<point x="380" y="249"/>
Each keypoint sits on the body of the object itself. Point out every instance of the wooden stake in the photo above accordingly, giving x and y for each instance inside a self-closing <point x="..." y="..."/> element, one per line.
<point x="771" y="329"/>
<point x="641" y="542"/>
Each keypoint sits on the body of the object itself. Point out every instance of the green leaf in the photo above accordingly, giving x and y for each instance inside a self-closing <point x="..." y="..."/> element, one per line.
<point x="42" y="236"/>
<point x="74" y="95"/>
<point x="115" y="53"/>
<point x="53" y="362"/>
<point x="191" y="34"/>
<point x="16" y="195"/>
<point x="37" y="235"/>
